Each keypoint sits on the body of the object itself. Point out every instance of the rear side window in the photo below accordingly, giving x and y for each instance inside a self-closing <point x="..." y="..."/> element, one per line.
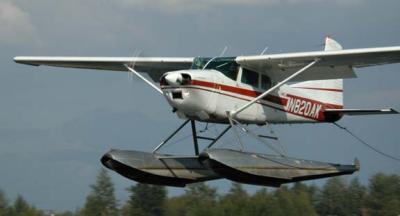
<point x="250" y="77"/>
<point x="265" y="82"/>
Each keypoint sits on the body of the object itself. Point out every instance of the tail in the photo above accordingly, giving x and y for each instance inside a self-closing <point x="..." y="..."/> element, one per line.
<point x="327" y="91"/>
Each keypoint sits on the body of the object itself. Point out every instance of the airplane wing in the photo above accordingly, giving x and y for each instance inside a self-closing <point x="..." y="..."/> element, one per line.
<point x="154" y="67"/>
<point x="333" y="64"/>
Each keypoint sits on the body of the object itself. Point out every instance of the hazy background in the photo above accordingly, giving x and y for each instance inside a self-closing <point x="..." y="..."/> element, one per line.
<point x="56" y="123"/>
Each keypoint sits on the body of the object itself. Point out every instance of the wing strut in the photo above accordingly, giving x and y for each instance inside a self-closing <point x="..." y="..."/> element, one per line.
<point x="142" y="78"/>
<point x="234" y="113"/>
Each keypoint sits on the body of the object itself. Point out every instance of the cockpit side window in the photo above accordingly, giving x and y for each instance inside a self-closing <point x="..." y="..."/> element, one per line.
<point x="199" y="62"/>
<point x="249" y="77"/>
<point x="225" y="65"/>
<point x="228" y="69"/>
<point x="265" y="82"/>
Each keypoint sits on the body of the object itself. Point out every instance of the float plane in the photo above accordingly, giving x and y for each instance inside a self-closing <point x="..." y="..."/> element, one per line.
<point x="285" y="88"/>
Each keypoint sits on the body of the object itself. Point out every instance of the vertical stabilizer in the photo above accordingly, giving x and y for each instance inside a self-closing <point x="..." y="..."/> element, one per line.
<point x="329" y="91"/>
<point x="332" y="45"/>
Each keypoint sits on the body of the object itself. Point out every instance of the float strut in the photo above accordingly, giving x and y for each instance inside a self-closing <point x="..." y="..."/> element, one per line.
<point x="219" y="136"/>
<point x="196" y="145"/>
<point x="173" y="134"/>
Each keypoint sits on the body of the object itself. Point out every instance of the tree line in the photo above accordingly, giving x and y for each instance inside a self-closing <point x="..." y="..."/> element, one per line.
<point x="337" y="197"/>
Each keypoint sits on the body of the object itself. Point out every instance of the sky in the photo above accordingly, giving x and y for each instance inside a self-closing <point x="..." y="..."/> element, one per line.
<point x="56" y="123"/>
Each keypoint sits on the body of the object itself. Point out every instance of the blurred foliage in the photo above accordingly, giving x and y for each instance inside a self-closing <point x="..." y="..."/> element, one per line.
<point x="145" y="200"/>
<point x="19" y="207"/>
<point x="337" y="197"/>
<point x="101" y="201"/>
<point x="384" y="195"/>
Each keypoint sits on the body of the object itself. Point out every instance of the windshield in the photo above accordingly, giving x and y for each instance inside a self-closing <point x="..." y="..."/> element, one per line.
<point x="225" y="65"/>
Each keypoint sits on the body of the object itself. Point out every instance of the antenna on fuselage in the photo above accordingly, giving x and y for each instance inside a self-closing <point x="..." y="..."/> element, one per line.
<point x="212" y="59"/>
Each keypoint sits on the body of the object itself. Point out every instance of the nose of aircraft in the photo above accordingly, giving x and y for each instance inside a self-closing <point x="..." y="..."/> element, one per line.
<point x="174" y="79"/>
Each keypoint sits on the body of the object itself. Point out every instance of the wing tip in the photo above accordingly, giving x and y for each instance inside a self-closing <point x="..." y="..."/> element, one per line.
<point x="23" y="60"/>
<point x="389" y="111"/>
<point x="357" y="164"/>
<point x="17" y="59"/>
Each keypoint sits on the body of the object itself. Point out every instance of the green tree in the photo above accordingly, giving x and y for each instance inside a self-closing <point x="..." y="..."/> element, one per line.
<point x="20" y="205"/>
<point x="235" y="202"/>
<point x="263" y="203"/>
<point x="199" y="199"/>
<point x="146" y="200"/>
<point x="339" y="198"/>
<point x="101" y="200"/>
<point x="332" y="199"/>
<point x="285" y="199"/>
<point x="3" y="204"/>
<point x="384" y="195"/>
<point x="355" y="196"/>
<point x="22" y="208"/>
<point x="302" y="199"/>
<point x="176" y="206"/>
<point x="67" y="213"/>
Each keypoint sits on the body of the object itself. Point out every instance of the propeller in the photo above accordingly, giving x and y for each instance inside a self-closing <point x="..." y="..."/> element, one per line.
<point x="132" y="63"/>
<point x="131" y="67"/>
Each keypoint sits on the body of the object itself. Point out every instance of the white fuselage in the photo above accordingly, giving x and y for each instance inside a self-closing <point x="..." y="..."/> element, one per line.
<point x="207" y="95"/>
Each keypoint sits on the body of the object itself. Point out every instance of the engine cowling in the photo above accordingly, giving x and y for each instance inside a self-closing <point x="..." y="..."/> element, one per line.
<point x="191" y="93"/>
<point x="176" y="79"/>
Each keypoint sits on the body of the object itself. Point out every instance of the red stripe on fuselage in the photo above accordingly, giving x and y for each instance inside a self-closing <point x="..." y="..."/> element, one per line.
<point x="241" y="91"/>
<point x="321" y="89"/>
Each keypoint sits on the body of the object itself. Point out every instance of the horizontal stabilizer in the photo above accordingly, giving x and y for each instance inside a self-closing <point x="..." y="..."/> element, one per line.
<point x="360" y="111"/>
